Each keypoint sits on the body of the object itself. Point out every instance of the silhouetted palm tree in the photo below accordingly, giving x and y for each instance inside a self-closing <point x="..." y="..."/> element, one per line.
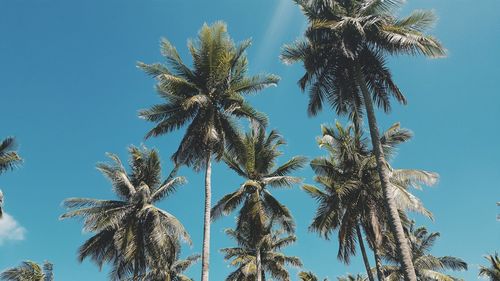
<point x="29" y="271"/>
<point x="131" y="233"/>
<point x="208" y="98"/>
<point x="344" y="57"/>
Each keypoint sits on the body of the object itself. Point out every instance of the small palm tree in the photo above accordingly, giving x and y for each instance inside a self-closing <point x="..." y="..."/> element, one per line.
<point x="244" y="257"/>
<point x="350" y="277"/>
<point x="9" y="159"/>
<point x="351" y="198"/>
<point x="131" y="233"/>
<point x="344" y="56"/>
<point x="255" y="161"/>
<point x="427" y="266"/>
<point x="308" y="276"/>
<point x="209" y="97"/>
<point x="29" y="271"/>
<point x="492" y="272"/>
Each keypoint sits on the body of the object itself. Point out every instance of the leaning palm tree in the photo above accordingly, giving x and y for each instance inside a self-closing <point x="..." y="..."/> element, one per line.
<point x="9" y="159"/>
<point x="255" y="161"/>
<point x="351" y="198"/>
<point x="29" y="271"/>
<point x="427" y="266"/>
<point x="209" y="97"/>
<point x="244" y="257"/>
<point x="492" y="272"/>
<point x="344" y="56"/>
<point x="130" y="233"/>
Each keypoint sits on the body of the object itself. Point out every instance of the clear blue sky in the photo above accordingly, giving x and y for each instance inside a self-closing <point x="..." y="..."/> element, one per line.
<point x="70" y="91"/>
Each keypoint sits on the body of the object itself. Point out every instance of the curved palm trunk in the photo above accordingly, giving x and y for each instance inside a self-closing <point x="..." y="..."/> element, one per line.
<point x="378" y="263"/>
<point x="394" y="219"/>
<point x="258" y="262"/>
<point x="205" y="258"/>
<point x="363" y="252"/>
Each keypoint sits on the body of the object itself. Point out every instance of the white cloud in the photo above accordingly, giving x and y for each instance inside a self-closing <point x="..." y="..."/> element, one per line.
<point x="10" y="229"/>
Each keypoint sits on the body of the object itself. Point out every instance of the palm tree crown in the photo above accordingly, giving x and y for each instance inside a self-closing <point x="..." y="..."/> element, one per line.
<point x="427" y="266"/>
<point x="351" y="195"/>
<point x="255" y="160"/>
<point x="273" y="261"/>
<point x="131" y="233"/>
<point x="29" y="271"/>
<point x="492" y="272"/>
<point x="9" y="159"/>
<point x="344" y="34"/>
<point x="208" y="96"/>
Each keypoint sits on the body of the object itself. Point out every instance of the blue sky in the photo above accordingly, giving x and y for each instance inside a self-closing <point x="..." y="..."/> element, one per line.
<point x="70" y="92"/>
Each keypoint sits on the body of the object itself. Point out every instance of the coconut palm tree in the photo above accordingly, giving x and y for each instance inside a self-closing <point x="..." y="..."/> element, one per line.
<point x="130" y="233"/>
<point x="174" y="270"/>
<point x="351" y="198"/>
<point x="244" y="257"/>
<point x="29" y="271"/>
<point x="344" y="56"/>
<point x="9" y="159"/>
<point x="308" y="276"/>
<point x="427" y="266"/>
<point x="207" y="98"/>
<point x="492" y="272"/>
<point x="255" y="161"/>
<point x="350" y="277"/>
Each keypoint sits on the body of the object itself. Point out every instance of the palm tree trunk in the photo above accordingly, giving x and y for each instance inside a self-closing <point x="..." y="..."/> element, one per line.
<point x="378" y="263"/>
<point x="394" y="219"/>
<point x="258" y="264"/>
<point x="205" y="258"/>
<point x="363" y="252"/>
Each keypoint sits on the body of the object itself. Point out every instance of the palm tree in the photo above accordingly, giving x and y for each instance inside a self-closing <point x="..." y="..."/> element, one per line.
<point x="351" y="198"/>
<point x="344" y="57"/>
<point x="9" y="159"/>
<point x="244" y="257"/>
<point x="493" y="271"/>
<point x="174" y="270"/>
<point x="427" y="266"/>
<point x="209" y="97"/>
<point x="350" y="277"/>
<point x="255" y="160"/>
<point x="131" y="233"/>
<point x="29" y="271"/>
<point x="308" y="276"/>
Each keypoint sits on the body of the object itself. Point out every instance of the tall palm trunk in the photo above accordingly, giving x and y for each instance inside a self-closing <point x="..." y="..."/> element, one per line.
<point x="205" y="258"/>
<point x="394" y="219"/>
<point x="378" y="263"/>
<point x="363" y="252"/>
<point x="258" y="262"/>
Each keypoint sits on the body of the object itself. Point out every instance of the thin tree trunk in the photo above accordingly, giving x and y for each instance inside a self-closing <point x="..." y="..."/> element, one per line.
<point x="363" y="252"/>
<point x="205" y="258"/>
<point x="378" y="263"/>
<point x="394" y="219"/>
<point x="258" y="264"/>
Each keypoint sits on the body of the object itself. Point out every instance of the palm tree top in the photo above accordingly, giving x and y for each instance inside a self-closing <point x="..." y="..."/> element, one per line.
<point x="29" y="271"/>
<point x="209" y="95"/>
<point x="346" y="38"/>
<point x="9" y="158"/>
<point x="492" y="271"/>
